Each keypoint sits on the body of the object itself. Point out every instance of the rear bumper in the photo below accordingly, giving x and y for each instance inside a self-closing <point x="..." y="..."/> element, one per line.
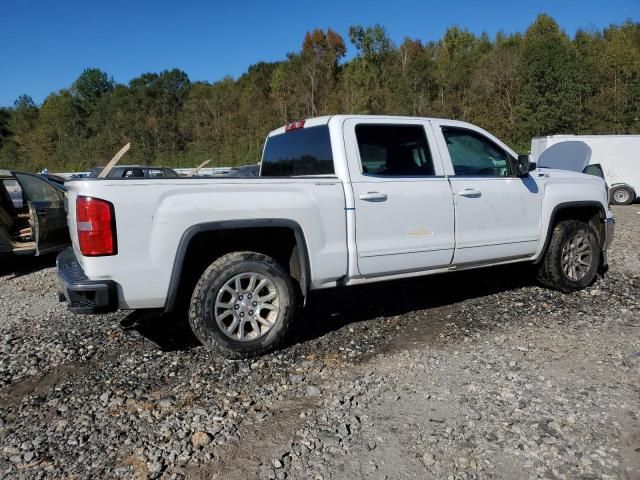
<point x="81" y="294"/>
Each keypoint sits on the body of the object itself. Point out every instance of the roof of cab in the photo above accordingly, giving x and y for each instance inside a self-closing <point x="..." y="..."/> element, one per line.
<point x="315" y="121"/>
<point x="308" y="122"/>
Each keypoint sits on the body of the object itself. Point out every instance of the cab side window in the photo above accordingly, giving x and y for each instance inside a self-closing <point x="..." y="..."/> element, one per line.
<point x="476" y="155"/>
<point x="394" y="150"/>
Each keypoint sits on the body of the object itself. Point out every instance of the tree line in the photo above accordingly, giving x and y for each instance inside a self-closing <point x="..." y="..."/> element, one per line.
<point x="516" y="86"/>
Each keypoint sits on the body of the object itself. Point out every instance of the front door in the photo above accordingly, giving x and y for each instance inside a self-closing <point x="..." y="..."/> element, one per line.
<point x="497" y="212"/>
<point x="403" y="203"/>
<point x="46" y="206"/>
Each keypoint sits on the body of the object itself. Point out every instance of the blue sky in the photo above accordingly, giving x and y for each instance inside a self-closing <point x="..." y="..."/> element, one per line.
<point x="46" y="44"/>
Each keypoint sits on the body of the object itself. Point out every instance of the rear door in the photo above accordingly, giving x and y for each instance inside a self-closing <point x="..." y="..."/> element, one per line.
<point x="46" y="205"/>
<point x="403" y="202"/>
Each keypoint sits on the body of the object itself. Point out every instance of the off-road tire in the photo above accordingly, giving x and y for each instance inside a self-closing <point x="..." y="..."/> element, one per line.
<point x="629" y="198"/>
<point x="550" y="273"/>
<point x="201" y="310"/>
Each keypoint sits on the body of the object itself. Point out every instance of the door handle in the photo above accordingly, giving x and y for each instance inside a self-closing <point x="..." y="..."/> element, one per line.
<point x="373" y="196"/>
<point x="470" y="192"/>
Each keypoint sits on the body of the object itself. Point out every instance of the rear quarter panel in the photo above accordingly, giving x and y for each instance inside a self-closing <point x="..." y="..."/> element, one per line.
<point x="153" y="215"/>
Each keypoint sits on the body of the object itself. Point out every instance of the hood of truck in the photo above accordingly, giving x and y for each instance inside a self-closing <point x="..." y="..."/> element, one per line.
<point x="567" y="174"/>
<point x="582" y="186"/>
<point x="574" y="156"/>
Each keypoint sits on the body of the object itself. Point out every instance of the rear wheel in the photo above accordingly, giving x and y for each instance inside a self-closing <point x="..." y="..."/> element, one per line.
<point x="572" y="259"/>
<point x="243" y="305"/>
<point x="622" y="195"/>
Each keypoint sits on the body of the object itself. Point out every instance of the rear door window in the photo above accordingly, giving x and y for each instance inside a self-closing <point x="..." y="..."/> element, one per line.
<point x="306" y="151"/>
<point x="133" y="173"/>
<point x="156" y="173"/>
<point x="394" y="150"/>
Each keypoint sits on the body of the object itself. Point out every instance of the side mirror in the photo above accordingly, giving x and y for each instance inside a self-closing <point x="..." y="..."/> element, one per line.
<point x="524" y="165"/>
<point x="594" y="169"/>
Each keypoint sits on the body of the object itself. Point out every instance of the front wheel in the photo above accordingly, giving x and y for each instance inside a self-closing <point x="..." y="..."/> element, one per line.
<point x="243" y="305"/>
<point x="572" y="259"/>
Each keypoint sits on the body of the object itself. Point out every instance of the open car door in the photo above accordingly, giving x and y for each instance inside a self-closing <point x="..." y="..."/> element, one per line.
<point x="46" y="208"/>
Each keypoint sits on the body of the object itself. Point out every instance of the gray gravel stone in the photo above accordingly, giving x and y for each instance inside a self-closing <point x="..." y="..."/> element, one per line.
<point x="525" y="383"/>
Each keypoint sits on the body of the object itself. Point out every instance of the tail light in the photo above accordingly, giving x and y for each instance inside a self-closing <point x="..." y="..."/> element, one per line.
<point x="294" y="126"/>
<point x="96" y="227"/>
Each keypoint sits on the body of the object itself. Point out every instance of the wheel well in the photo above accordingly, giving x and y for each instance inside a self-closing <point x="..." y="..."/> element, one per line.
<point x="592" y="214"/>
<point x="204" y="247"/>
<point x="628" y="187"/>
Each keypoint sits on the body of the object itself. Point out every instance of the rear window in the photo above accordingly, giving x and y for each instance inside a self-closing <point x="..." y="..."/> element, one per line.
<point x="162" y="173"/>
<point x="126" y="172"/>
<point x="306" y="151"/>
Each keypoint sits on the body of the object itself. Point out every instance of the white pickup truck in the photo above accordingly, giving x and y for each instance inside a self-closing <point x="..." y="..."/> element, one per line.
<point x="340" y="200"/>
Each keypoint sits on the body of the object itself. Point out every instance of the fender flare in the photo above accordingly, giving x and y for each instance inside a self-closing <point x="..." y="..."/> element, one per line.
<point x="563" y="206"/>
<point x="622" y="184"/>
<point x="187" y="236"/>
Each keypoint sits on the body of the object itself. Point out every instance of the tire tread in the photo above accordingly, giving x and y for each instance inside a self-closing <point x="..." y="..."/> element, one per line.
<point x="199" y="294"/>
<point x="549" y="271"/>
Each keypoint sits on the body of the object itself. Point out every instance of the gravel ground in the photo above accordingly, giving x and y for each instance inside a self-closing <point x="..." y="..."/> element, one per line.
<point x="471" y="375"/>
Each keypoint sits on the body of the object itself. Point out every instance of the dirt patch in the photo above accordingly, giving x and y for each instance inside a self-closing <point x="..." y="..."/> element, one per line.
<point x="269" y="441"/>
<point x="40" y="385"/>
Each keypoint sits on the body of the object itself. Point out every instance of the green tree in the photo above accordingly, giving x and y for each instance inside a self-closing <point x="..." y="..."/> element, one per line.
<point x="551" y="98"/>
<point x="59" y="137"/>
<point x="495" y="86"/>
<point x="368" y="76"/>
<point x="456" y="58"/>
<point x="207" y="119"/>
<point x="19" y="150"/>
<point x="613" y="62"/>
<point x="91" y="85"/>
<point x="416" y="82"/>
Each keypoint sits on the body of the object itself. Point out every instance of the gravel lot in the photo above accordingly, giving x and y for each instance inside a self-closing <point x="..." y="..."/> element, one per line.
<point x="470" y="375"/>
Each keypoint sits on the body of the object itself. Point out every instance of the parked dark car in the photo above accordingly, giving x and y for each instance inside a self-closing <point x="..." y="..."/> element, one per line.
<point x="32" y="215"/>
<point x="56" y="180"/>
<point x="136" y="171"/>
<point x="244" y="171"/>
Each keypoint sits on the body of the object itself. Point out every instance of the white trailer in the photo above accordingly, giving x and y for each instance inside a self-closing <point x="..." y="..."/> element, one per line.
<point x="618" y="155"/>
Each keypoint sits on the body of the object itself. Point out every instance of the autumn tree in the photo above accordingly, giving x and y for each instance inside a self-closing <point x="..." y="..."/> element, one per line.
<point x="517" y="86"/>
<point x="320" y="56"/>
